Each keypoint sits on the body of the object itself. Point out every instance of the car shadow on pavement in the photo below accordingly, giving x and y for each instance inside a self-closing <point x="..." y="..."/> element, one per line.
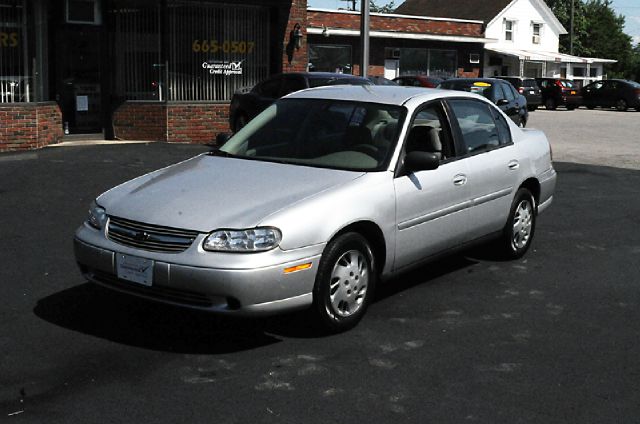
<point x="107" y="314"/>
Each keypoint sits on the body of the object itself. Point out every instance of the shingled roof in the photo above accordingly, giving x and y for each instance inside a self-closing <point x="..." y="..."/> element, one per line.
<point x="481" y="10"/>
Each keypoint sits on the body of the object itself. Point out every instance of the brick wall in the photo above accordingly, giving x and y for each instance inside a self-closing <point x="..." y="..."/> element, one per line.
<point x="351" y="21"/>
<point x="140" y="121"/>
<point x="26" y="126"/>
<point x="197" y="123"/>
<point x="173" y="122"/>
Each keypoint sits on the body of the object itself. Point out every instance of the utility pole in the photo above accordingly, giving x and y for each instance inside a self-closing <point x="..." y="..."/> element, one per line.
<point x="364" y="38"/>
<point x="571" y="33"/>
<point x="353" y="4"/>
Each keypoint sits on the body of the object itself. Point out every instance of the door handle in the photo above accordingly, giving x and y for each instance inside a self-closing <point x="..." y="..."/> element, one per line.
<point x="513" y="165"/>
<point x="460" y="179"/>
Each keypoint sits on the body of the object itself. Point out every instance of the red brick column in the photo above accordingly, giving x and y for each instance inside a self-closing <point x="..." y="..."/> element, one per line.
<point x="299" y="58"/>
<point x="25" y="126"/>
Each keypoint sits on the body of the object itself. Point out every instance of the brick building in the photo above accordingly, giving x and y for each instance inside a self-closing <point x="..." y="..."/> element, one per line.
<point x="400" y="44"/>
<point x="136" y="69"/>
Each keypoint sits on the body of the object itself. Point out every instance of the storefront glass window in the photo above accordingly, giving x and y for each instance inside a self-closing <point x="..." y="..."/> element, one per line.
<point x="16" y="84"/>
<point x="414" y="62"/>
<point x="215" y="49"/>
<point x="442" y="63"/>
<point x="330" y="58"/>
<point x="435" y="63"/>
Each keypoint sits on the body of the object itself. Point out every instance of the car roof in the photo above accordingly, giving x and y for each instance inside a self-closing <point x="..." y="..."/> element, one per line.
<point x="453" y="80"/>
<point x="385" y="94"/>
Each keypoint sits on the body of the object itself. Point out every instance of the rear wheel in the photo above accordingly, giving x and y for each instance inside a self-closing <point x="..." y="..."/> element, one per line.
<point x="571" y="107"/>
<point x="518" y="231"/>
<point x="550" y="104"/>
<point x="591" y="107"/>
<point x="344" y="284"/>
<point x="621" y="105"/>
<point x="532" y="107"/>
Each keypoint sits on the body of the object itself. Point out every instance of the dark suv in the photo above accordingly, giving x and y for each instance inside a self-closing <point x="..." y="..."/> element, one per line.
<point x="245" y="105"/>
<point x="500" y="92"/>
<point x="559" y="92"/>
<point x="622" y="94"/>
<point x="528" y="87"/>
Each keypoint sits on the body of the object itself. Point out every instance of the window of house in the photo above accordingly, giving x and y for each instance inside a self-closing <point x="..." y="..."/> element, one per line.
<point x="83" y="12"/>
<point x="509" y="27"/>
<point x="593" y="72"/>
<point x="537" y="30"/>
<point x="431" y="62"/>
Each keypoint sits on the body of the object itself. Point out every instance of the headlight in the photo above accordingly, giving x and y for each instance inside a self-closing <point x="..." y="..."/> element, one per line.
<point x="97" y="216"/>
<point x="251" y="240"/>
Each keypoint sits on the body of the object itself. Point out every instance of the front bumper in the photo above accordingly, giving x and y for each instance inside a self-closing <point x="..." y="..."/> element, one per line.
<point x="182" y="279"/>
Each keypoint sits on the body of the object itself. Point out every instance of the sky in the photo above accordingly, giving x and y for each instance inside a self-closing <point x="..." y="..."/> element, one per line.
<point x="629" y="8"/>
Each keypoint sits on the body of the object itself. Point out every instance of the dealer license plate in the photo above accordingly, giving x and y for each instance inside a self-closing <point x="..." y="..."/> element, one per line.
<point x="134" y="269"/>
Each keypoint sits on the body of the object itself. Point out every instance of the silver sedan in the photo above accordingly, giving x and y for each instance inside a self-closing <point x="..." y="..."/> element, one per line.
<point x="324" y="194"/>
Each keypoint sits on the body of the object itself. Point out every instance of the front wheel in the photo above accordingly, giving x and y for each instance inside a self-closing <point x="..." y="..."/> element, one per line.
<point x="344" y="284"/>
<point x="532" y="108"/>
<point x="518" y="231"/>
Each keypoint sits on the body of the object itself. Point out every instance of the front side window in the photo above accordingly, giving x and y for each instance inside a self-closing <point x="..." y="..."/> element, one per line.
<point x="429" y="132"/>
<point x="477" y="126"/>
<point x="334" y="134"/>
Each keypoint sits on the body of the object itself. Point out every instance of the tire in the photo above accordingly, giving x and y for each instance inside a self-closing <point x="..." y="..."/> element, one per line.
<point x="550" y="104"/>
<point x="638" y="108"/>
<point x="532" y="108"/>
<point x="591" y="107"/>
<point x="240" y="122"/>
<point x="518" y="231"/>
<point x="571" y="107"/>
<point x="621" y="105"/>
<point x="344" y="284"/>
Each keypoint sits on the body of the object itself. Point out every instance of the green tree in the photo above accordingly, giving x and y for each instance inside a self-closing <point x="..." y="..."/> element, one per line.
<point x="387" y="8"/>
<point x="562" y="10"/>
<point x="606" y="37"/>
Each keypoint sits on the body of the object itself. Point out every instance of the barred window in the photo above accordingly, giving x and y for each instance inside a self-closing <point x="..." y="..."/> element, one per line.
<point x="215" y="49"/>
<point x="206" y="53"/>
<point x="16" y="84"/>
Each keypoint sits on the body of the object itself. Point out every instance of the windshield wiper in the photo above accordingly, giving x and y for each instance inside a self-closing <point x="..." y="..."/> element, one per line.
<point x="222" y="153"/>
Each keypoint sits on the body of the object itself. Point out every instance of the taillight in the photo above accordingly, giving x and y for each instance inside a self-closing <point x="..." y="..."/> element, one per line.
<point x="638" y="92"/>
<point x="521" y="90"/>
<point x="559" y="84"/>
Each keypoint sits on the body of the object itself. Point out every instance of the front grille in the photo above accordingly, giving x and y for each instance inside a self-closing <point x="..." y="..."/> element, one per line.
<point x="155" y="292"/>
<point x="149" y="237"/>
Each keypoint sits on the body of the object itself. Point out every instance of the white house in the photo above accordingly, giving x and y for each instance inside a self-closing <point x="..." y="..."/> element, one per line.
<point x="527" y="34"/>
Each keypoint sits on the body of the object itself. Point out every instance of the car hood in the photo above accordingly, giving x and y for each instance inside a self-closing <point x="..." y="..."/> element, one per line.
<point x="207" y="192"/>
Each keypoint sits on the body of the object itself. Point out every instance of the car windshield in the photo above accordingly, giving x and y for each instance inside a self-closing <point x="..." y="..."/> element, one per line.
<point x="567" y="84"/>
<point x="323" y="133"/>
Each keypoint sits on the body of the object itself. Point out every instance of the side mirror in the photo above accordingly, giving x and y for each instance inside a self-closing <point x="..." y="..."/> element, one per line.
<point x="502" y="102"/>
<point x="222" y="138"/>
<point x="421" y="161"/>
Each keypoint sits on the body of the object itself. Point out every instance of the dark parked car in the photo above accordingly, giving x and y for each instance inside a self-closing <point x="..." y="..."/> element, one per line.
<point x="559" y="92"/>
<point x="621" y="94"/>
<point x="377" y="80"/>
<point x="528" y="87"/>
<point x="418" y="81"/>
<point x="245" y="105"/>
<point x="500" y="92"/>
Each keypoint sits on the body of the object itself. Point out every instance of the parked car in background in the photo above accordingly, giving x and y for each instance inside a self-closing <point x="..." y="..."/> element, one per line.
<point x="618" y="93"/>
<point x="324" y="194"/>
<point x="246" y="104"/>
<point x="378" y="80"/>
<point x="559" y="92"/>
<point x="418" y="81"/>
<point x="528" y="87"/>
<point x="500" y="92"/>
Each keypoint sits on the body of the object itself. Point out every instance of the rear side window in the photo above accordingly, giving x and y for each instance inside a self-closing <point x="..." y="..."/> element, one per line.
<point x="477" y="126"/>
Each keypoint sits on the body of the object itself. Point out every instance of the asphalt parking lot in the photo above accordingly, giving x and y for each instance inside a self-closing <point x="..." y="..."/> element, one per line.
<point x="551" y="338"/>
